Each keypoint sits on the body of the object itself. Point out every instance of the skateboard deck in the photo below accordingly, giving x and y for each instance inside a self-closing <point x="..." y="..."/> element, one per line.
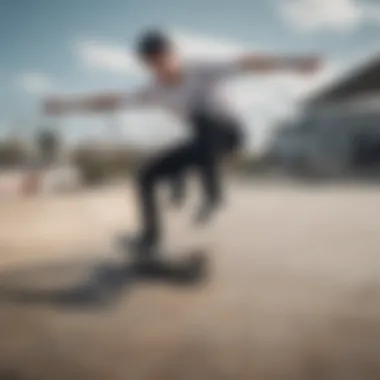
<point x="186" y="265"/>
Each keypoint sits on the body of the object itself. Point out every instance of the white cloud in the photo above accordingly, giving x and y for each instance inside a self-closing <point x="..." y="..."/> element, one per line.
<point x="111" y="57"/>
<point x="195" y="46"/>
<point x="34" y="83"/>
<point x="338" y="15"/>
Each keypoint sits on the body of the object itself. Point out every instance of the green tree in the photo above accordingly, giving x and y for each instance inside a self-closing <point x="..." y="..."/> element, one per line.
<point x="48" y="144"/>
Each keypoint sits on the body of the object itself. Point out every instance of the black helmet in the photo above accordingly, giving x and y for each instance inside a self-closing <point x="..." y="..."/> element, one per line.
<point x="151" y="43"/>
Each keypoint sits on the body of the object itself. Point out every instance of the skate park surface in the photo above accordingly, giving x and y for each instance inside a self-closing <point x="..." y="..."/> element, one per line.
<point x="292" y="290"/>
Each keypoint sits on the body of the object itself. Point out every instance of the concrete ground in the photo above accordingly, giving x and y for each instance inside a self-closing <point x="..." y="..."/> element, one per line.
<point x="292" y="292"/>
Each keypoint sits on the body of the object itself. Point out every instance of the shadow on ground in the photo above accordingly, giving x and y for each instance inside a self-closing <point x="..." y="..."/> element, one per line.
<point x="89" y="284"/>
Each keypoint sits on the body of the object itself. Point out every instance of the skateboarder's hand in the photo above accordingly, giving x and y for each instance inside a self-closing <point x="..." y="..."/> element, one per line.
<point x="55" y="106"/>
<point x="308" y="65"/>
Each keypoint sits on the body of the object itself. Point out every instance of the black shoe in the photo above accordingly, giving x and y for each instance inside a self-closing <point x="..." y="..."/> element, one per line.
<point x="177" y="195"/>
<point x="142" y="245"/>
<point x="206" y="212"/>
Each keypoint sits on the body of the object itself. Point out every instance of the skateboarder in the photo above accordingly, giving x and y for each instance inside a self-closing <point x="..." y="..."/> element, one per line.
<point x="190" y="90"/>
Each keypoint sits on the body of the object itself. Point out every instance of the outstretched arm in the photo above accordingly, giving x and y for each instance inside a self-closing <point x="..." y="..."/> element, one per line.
<point x="257" y="63"/>
<point x="102" y="102"/>
<point x="91" y="103"/>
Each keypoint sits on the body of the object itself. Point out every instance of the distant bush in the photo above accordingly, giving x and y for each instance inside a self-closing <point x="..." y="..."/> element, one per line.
<point x="48" y="144"/>
<point x="13" y="152"/>
<point x="97" y="165"/>
<point x="251" y="165"/>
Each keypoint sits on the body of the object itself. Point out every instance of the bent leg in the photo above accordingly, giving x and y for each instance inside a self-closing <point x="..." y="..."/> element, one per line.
<point x="168" y="165"/>
<point x="217" y="138"/>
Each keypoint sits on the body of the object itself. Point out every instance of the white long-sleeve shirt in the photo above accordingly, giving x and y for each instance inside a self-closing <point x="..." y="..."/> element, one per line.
<point x="198" y="89"/>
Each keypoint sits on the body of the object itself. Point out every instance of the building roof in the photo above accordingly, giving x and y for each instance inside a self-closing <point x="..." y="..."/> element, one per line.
<point x="363" y="81"/>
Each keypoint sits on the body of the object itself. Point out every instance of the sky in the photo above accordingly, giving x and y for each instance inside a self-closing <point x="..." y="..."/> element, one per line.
<point x="79" y="46"/>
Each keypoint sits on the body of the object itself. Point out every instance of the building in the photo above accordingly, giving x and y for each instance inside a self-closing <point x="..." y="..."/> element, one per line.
<point x="338" y="132"/>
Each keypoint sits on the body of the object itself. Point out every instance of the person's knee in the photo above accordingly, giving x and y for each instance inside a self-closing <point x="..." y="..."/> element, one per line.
<point x="202" y="118"/>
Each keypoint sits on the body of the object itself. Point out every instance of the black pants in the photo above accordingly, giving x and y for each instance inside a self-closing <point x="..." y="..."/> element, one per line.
<point x="214" y="138"/>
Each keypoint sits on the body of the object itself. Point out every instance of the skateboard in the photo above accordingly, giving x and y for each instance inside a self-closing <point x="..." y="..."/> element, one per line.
<point x="186" y="265"/>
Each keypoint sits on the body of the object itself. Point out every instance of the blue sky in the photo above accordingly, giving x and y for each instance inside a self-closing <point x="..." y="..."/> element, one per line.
<point x="78" y="46"/>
